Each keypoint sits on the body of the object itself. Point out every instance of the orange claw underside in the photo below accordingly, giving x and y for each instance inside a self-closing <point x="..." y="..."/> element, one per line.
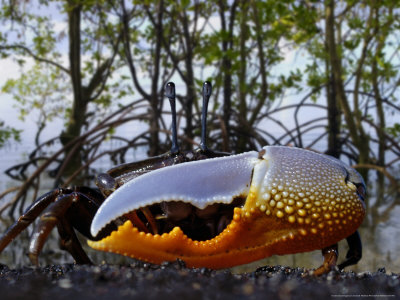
<point x="249" y="237"/>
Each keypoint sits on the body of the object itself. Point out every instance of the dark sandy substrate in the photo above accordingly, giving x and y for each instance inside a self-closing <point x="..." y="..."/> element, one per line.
<point x="146" y="281"/>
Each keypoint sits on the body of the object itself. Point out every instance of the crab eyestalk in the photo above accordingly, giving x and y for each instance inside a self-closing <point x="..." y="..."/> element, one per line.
<point x="207" y="89"/>
<point x="170" y="94"/>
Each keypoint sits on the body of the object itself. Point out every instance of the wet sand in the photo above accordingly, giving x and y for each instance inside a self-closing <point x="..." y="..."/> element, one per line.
<point x="145" y="281"/>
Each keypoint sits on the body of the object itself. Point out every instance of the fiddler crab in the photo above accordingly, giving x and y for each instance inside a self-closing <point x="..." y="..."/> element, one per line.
<point x="207" y="208"/>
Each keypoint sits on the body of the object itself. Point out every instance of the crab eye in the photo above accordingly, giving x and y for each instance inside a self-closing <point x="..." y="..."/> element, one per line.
<point x="361" y="191"/>
<point x="105" y="183"/>
<point x="346" y="180"/>
<point x="360" y="187"/>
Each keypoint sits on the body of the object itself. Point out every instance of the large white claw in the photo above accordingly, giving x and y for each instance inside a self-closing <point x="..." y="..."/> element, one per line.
<point x="201" y="183"/>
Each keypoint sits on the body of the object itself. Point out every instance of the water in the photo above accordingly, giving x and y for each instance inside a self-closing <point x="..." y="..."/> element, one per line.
<point x="379" y="231"/>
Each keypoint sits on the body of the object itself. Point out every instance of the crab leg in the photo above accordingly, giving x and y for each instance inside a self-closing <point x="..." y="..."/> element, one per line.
<point x="30" y="214"/>
<point x="61" y="213"/>
<point x="330" y="258"/>
<point x="355" y="250"/>
<point x="69" y="242"/>
<point x="48" y="220"/>
<point x="135" y="220"/>
<point x="150" y="219"/>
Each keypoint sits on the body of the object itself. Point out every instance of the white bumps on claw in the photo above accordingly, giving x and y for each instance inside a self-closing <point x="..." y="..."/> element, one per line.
<point x="308" y="188"/>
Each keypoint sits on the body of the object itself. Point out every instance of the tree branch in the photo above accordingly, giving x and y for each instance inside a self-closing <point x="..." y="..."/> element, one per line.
<point x="35" y="57"/>
<point x="127" y="50"/>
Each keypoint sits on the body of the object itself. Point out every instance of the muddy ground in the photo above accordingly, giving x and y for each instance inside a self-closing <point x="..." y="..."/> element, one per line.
<point x="145" y="281"/>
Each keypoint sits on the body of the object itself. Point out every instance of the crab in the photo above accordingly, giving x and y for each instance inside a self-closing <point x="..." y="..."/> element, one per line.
<point x="207" y="208"/>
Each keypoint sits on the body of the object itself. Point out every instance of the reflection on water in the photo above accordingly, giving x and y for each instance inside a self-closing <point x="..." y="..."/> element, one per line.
<point x="379" y="233"/>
